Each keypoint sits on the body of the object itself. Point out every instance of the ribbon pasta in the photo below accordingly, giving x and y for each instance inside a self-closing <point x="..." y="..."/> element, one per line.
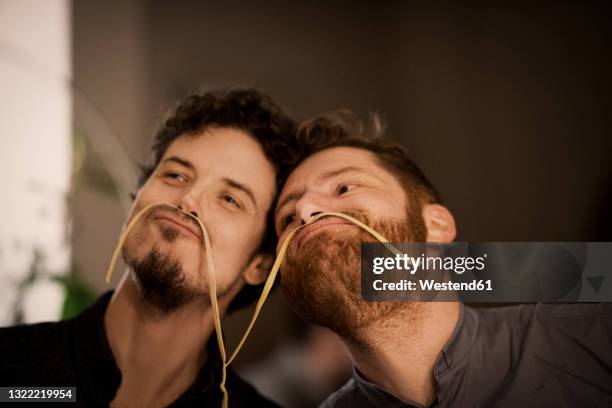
<point x="212" y="282"/>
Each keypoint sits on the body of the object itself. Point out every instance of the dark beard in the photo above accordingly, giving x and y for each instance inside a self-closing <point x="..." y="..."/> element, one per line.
<point x="322" y="282"/>
<point x="160" y="278"/>
<point x="162" y="282"/>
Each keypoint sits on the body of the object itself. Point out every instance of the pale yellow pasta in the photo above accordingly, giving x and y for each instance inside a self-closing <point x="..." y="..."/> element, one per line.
<point x="212" y="282"/>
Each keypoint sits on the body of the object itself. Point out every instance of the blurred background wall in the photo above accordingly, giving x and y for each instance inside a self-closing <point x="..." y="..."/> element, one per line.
<point x="35" y="157"/>
<point x="505" y="106"/>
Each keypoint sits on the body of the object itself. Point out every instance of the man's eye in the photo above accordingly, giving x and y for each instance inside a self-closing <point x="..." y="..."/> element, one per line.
<point x="231" y="200"/>
<point x="343" y="189"/>
<point x="287" y="220"/>
<point x="176" y="176"/>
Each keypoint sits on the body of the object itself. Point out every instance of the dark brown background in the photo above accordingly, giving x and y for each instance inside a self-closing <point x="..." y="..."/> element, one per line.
<point x="505" y="107"/>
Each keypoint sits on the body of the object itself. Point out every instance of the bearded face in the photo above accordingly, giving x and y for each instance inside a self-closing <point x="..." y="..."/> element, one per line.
<point x="322" y="281"/>
<point x="161" y="277"/>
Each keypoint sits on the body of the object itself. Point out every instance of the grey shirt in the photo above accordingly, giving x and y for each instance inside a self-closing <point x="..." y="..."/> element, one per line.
<point x="533" y="355"/>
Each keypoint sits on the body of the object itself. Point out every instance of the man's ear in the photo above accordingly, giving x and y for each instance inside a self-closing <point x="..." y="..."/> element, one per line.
<point x="258" y="269"/>
<point x="439" y="222"/>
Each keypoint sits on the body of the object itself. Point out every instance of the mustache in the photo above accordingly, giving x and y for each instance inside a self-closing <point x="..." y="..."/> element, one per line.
<point x="328" y="237"/>
<point x="177" y="213"/>
<point x="409" y="228"/>
<point x="359" y="214"/>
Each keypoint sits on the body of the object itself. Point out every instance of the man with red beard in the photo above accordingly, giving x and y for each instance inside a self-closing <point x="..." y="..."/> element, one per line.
<point x="151" y="343"/>
<point x="420" y="353"/>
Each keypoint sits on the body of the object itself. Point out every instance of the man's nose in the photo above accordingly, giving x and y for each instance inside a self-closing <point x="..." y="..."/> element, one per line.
<point x="188" y="202"/>
<point x="309" y="206"/>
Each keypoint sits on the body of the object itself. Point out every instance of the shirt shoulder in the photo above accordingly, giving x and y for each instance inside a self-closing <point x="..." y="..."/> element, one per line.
<point x="25" y="341"/>
<point x="574" y="310"/>
<point x="30" y="353"/>
<point x="548" y="352"/>
<point x="525" y="311"/>
<point x="559" y="327"/>
<point x="575" y="332"/>
<point x="515" y="314"/>
<point x="502" y="329"/>
<point x="243" y="394"/>
<point x="349" y="396"/>
<point x="547" y="316"/>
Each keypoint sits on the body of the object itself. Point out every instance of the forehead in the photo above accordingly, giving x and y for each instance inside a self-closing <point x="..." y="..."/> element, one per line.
<point x="335" y="158"/>
<point x="227" y="142"/>
<point x="227" y="153"/>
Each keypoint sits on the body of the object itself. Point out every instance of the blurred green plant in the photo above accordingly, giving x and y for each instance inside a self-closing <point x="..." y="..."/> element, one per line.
<point x="78" y="295"/>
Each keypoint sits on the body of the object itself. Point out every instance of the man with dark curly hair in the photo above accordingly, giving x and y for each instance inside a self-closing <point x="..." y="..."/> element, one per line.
<point x="220" y="156"/>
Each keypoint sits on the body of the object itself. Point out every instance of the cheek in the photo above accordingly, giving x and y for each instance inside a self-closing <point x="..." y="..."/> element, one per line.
<point x="232" y="240"/>
<point x="377" y="206"/>
<point x="392" y="209"/>
<point x="156" y="191"/>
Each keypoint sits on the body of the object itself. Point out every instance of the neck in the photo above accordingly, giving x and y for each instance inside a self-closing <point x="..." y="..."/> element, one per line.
<point x="399" y="353"/>
<point x="159" y="355"/>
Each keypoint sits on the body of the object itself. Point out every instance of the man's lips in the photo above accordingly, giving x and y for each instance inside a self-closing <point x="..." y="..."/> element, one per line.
<point x="311" y="229"/>
<point x="178" y="223"/>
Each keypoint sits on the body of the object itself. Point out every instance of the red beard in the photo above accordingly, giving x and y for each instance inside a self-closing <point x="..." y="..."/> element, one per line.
<point x="322" y="281"/>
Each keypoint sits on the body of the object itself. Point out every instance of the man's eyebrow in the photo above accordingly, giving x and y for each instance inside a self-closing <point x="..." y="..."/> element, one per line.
<point x="342" y="170"/>
<point x="180" y="161"/>
<point x="235" y="184"/>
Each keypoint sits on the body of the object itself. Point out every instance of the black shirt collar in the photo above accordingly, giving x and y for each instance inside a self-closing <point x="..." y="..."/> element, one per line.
<point x="97" y="368"/>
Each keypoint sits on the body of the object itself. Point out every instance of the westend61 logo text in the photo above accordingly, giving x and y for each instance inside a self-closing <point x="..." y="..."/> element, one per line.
<point x="486" y="272"/>
<point x="413" y="264"/>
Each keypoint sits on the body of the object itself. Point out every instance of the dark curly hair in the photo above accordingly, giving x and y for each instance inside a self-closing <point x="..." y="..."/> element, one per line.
<point x="344" y="128"/>
<point x="248" y="110"/>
